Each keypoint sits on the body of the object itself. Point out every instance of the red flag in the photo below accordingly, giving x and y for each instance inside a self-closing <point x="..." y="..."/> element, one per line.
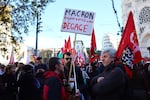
<point x="65" y="45"/>
<point x="12" y="57"/>
<point x="93" y="48"/>
<point x="69" y="45"/>
<point x="63" y="49"/>
<point x="128" y="50"/>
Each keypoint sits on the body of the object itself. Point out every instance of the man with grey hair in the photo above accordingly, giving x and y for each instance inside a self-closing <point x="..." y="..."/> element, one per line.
<point x="110" y="53"/>
<point x="110" y="84"/>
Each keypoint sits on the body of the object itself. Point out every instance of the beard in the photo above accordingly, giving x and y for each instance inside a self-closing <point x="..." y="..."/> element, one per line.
<point x="68" y="64"/>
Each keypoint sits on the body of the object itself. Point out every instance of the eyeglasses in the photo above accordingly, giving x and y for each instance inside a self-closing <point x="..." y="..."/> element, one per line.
<point x="68" y="58"/>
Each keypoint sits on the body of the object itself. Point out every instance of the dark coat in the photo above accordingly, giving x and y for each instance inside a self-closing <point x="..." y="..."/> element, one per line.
<point x="10" y="88"/>
<point x="112" y="86"/>
<point x="39" y="74"/>
<point x="79" y="78"/>
<point x="29" y="87"/>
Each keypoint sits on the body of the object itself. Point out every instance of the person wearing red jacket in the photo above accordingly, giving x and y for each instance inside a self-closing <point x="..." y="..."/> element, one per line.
<point x="53" y="86"/>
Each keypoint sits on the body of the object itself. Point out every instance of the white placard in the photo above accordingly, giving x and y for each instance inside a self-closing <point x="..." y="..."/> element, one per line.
<point x="78" y="21"/>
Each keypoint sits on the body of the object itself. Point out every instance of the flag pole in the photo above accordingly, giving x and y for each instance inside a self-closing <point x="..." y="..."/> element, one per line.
<point x="72" y="65"/>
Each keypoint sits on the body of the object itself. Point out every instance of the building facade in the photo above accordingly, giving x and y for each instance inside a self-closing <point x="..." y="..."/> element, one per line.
<point x="141" y="13"/>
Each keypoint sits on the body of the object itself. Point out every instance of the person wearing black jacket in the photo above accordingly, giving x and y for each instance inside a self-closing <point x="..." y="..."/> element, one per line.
<point x="29" y="86"/>
<point x="9" y="83"/>
<point x="110" y="84"/>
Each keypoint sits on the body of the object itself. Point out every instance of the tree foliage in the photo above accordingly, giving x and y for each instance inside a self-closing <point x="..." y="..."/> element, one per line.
<point x="20" y="14"/>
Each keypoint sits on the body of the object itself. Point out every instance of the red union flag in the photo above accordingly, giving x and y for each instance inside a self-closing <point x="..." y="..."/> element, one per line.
<point x="93" y="48"/>
<point x="128" y="51"/>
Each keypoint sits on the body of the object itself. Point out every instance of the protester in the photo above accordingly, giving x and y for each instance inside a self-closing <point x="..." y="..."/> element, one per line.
<point x="2" y="69"/>
<point x="18" y="70"/>
<point x="70" y="80"/>
<point x="9" y="82"/>
<point x="140" y="83"/>
<point x="28" y="84"/>
<point x="94" y="69"/>
<point x="2" y="88"/>
<point x="53" y="87"/>
<point x="40" y="68"/>
<point x="86" y="79"/>
<point x="110" y="84"/>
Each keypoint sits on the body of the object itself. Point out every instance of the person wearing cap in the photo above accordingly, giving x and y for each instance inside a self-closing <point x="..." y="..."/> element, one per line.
<point x="40" y="66"/>
<point x="40" y="69"/>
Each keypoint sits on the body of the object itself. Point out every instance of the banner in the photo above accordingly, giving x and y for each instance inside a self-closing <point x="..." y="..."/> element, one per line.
<point x="77" y="21"/>
<point x="79" y="58"/>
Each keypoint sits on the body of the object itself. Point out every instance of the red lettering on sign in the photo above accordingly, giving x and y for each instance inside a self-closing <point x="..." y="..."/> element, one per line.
<point x="64" y="25"/>
<point x="77" y="27"/>
<point x="85" y="28"/>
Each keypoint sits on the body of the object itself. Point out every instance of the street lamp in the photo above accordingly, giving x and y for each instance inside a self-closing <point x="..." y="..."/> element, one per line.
<point x="39" y="6"/>
<point x="38" y="23"/>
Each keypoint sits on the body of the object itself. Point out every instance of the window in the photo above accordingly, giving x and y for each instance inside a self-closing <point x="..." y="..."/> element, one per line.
<point x="144" y="16"/>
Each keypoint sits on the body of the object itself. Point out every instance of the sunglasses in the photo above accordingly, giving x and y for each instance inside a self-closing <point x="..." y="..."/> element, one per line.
<point x="68" y="58"/>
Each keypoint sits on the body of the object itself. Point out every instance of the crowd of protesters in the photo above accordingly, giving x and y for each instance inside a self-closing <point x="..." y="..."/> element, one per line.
<point x="61" y="79"/>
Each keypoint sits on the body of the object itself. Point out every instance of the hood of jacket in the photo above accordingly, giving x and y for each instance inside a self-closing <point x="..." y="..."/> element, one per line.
<point x="50" y="74"/>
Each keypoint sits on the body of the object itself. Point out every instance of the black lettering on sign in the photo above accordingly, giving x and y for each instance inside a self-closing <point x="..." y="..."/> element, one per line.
<point x="79" y="13"/>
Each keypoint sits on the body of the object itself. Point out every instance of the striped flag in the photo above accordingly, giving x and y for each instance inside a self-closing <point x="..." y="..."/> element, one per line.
<point x="11" y="61"/>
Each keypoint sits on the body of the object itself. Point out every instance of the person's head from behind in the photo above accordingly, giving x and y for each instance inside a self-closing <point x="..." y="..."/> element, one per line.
<point x="67" y="57"/>
<point x="10" y="68"/>
<point x="2" y="69"/>
<point x="28" y="69"/>
<point x="39" y="60"/>
<point x="19" y="65"/>
<point x="108" y="56"/>
<point x="2" y="66"/>
<point x="55" y="64"/>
